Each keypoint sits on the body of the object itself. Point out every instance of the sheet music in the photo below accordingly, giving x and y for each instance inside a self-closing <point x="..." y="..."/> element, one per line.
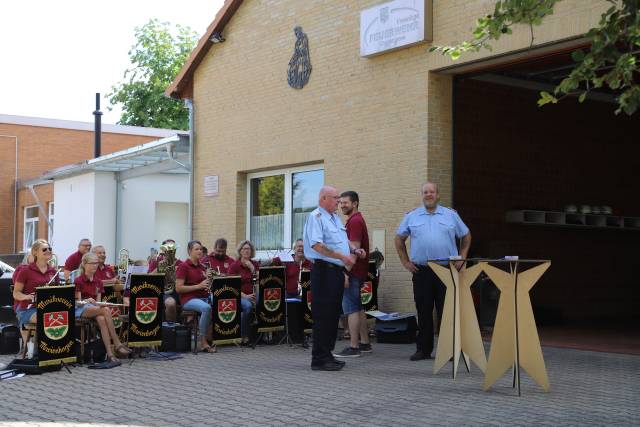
<point x="131" y="269"/>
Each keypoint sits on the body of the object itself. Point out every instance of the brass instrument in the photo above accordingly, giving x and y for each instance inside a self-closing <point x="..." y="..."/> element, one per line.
<point x="167" y="266"/>
<point x="123" y="264"/>
<point x="209" y="275"/>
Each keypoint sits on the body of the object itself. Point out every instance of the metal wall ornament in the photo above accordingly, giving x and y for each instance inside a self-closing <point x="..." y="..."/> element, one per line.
<point x="300" y="63"/>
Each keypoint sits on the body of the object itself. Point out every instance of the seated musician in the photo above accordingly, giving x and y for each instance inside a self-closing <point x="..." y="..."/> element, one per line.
<point x="218" y="258"/>
<point x="89" y="291"/>
<point x="35" y="274"/>
<point x="246" y="268"/>
<point x="292" y="268"/>
<point x="193" y="288"/>
<point x="73" y="261"/>
<point x="104" y="272"/>
<point x="170" y="300"/>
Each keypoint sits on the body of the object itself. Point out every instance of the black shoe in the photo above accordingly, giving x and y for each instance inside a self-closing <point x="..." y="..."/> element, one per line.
<point x="339" y="362"/>
<point x="419" y="355"/>
<point x="327" y="366"/>
<point x="348" y="352"/>
<point x="365" y="348"/>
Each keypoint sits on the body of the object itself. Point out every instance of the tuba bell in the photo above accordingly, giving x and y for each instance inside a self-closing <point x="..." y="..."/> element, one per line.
<point x="166" y="259"/>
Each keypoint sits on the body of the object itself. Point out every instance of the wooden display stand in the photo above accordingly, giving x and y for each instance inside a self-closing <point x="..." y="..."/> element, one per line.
<point x="459" y="329"/>
<point x="515" y="342"/>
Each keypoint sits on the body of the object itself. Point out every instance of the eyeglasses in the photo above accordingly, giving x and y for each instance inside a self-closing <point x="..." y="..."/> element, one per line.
<point x="46" y="249"/>
<point x="92" y="263"/>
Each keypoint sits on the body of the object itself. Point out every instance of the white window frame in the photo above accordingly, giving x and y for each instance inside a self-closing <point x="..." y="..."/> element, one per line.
<point x="51" y="210"/>
<point x="288" y="174"/>
<point x="27" y="247"/>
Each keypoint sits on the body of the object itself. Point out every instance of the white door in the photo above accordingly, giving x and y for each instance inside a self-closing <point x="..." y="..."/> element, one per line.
<point x="172" y="223"/>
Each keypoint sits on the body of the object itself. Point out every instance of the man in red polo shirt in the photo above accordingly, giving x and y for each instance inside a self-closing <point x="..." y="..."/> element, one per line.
<point x="105" y="272"/>
<point x="218" y="258"/>
<point x="351" y="302"/>
<point x="73" y="262"/>
<point x="292" y="268"/>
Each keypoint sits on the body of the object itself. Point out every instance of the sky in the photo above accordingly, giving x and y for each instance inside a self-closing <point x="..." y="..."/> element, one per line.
<point x="55" y="55"/>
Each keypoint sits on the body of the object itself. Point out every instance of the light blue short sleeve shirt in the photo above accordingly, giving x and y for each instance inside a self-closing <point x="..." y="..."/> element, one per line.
<point x="323" y="227"/>
<point x="433" y="235"/>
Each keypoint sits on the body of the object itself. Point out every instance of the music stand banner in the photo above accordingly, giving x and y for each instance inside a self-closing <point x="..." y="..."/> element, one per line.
<point x="56" y="321"/>
<point x="306" y="297"/>
<point x="225" y="310"/>
<point x="110" y="296"/>
<point x="369" y="290"/>
<point x="145" y="309"/>
<point x="271" y="299"/>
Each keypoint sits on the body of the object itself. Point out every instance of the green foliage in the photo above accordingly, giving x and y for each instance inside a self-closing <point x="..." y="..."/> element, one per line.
<point x="271" y="195"/>
<point x="156" y="58"/>
<point x="609" y="62"/>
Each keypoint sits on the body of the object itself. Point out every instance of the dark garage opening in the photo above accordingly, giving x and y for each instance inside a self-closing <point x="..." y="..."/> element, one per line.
<point x="538" y="164"/>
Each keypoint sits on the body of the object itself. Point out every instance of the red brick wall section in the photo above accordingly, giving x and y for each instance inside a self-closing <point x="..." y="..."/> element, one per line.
<point x="510" y="154"/>
<point x="42" y="149"/>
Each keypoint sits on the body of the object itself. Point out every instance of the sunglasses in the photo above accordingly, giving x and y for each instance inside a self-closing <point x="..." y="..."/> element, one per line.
<point x="46" y="249"/>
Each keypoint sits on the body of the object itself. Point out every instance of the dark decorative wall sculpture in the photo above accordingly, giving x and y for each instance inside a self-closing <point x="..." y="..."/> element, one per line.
<point x="300" y="63"/>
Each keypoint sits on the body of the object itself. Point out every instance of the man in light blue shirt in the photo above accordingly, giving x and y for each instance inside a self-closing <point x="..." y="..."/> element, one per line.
<point x="326" y="244"/>
<point x="433" y="230"/>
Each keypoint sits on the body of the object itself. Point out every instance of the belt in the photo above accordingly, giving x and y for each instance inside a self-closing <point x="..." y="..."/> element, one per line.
<point x="323" y="263"/>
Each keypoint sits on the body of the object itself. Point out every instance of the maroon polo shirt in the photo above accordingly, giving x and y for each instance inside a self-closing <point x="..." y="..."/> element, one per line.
<point x="357" y="231"/>
<point x="238" y="269"/>
<point x="105" y="272"/>
<point x="14" y="277"/>
<point x="31" y="277"/>
<point x="153" y="264"/>
<point x="221" y="264"/>
<point x="292" y="272"/>
<point x="88" y="288"/>
<point x="73" y="262"/>
<point x="192" y="275"/>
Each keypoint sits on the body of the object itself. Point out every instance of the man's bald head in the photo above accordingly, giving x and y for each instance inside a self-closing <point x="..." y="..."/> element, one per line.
<point x="328" y="198"/>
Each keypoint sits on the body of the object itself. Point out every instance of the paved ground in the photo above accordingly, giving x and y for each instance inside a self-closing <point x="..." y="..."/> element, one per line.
<point x="273" y="385"/>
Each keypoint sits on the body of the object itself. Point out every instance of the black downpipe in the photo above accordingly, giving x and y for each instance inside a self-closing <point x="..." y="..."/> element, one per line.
<point x="98" y="128"/>
<point x="453" y="140"/>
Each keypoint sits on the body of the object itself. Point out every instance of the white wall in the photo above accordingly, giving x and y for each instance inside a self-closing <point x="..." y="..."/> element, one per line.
<point x="138" y="198"/>
<point x="104" y="229"/>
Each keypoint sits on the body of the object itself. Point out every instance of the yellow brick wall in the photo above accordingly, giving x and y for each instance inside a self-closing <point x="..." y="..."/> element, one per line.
<point x="381" y="126"/>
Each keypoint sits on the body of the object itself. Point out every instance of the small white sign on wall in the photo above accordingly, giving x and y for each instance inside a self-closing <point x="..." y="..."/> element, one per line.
<point x="394" y="25"/>
<point x="211" y="187"/>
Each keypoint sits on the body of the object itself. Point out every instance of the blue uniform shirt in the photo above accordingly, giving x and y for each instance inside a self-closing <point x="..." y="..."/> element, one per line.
<point x="323" y="227"/>
<point x="433" y="235"/>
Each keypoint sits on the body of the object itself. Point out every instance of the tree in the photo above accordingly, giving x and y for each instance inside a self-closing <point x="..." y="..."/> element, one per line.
<point x="610" y="62"/>
<point x="156" y="57"/>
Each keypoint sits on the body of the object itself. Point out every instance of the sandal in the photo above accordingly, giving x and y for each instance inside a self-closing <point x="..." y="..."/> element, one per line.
<point x="123" y="350"/>
<point x="114" y="360"/>
<point x="209" y="349"/>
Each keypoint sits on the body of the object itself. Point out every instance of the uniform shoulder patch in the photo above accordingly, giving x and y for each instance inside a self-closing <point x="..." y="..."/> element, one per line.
<point x="318" y="215"/>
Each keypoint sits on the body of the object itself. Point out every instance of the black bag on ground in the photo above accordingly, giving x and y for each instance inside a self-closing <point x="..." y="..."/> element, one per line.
<point x="397" y="331"/>
<point x="175" y="338"/>
<point x="9" y="339"/>
<point x="30" y="366"/>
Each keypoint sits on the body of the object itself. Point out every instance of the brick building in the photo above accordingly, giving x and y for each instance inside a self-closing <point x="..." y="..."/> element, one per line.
<point x="29" y="147"/>
<point x="382" y="125"/>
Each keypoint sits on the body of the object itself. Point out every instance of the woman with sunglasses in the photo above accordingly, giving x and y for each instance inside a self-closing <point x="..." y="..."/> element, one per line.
<point x="37" y="273"/>
<point x="89" y="291"/>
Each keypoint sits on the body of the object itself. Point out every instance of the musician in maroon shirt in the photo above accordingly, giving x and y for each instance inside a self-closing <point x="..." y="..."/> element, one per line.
<point x="292" y="268"/>
<point x="104" y="272"/>
<point x="89" y="291"/>
<point x="193" y="288"/>
<point x="38" y="273"/>
<point x="218" y="258"/>
<point x="246" y="268"/>
<point x="73" y="261"/>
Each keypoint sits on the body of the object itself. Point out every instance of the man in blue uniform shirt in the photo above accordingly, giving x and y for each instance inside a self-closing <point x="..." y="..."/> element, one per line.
<point x="326" y="244"/>
<point x="433" y="230"/>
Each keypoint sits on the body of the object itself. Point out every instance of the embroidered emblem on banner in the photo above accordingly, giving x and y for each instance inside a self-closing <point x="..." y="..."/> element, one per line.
<point x="309" y="298"/>
<point x="272" y="298"/>
<point x="56" y="324"/>
<point x="115" y="315"/>
<point x="227" y="310"/>
<point x="146" y="309"/>
<point x="366" y="292"/>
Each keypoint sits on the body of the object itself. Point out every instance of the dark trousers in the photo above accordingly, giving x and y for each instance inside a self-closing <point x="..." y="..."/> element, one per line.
<point x="327" y="286"/>
<point x="427" y="289"/>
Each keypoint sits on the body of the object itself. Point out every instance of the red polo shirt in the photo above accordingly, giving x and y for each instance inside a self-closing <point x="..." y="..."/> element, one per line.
<point x="292" y="272"/>
<point x="237" y="268"/>
<point x="105" y="273"/>
<point x="357" y="231"/>
<point x="88" y="288"/>
<point x="31" y="277"/>
<point x="73" y="262"/>
<point x="221" y="264"/>
<point x="192" y="275"/>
